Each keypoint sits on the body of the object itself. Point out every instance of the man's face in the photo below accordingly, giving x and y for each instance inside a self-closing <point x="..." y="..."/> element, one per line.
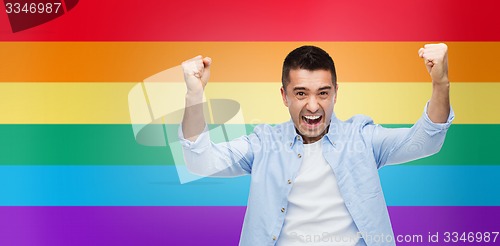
<point x="310" y="96"/>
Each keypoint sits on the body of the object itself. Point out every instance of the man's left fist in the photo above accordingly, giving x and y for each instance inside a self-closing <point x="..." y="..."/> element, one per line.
<point x="436" y="60"/>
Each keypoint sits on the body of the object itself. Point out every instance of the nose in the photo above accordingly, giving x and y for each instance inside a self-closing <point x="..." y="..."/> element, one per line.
<point x="312" y="104"/>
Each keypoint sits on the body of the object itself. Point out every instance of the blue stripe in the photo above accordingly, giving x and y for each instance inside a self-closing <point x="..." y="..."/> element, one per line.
<point x="406" y="185"/>
<point x="159" y="185"/>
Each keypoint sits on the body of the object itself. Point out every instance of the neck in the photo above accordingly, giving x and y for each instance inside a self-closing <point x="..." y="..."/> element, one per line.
<point x="310" y="140"/>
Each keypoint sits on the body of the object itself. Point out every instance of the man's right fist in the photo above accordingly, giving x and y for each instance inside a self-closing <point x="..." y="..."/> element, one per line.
<point x="196" y="73"/>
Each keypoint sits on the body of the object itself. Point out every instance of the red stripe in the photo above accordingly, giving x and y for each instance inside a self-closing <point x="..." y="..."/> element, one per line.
<point x="264" y="20"/>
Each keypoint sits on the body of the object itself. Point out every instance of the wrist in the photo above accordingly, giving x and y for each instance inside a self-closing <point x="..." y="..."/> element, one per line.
<point x="194" y="97"/>
<point x="194" y="93"/>
<point x="441" y="88"/>
<point x="441" y="82"/>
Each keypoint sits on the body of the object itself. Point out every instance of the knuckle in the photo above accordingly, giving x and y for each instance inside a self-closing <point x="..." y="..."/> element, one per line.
<point x="186" y="65"/>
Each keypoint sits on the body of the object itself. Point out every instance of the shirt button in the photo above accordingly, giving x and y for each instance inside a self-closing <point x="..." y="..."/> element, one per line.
<point x="274" y="238"/>
<point x="282" y="210"/>
<point x="290" y="144"/>
<point x="289" y="181"/>
<point x="298" y="155"/>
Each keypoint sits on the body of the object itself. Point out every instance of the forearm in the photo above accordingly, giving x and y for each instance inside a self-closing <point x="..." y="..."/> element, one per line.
<point x="436" y="61"/>
<point x="193" y="122"/>
<point x="202" y="156"/>
<point x="439" y="105"/>
<point x="196" y="73"/>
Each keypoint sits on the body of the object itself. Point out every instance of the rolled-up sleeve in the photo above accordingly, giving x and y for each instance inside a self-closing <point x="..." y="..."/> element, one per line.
<point x="434" y="128"/>
<point x="204" y="157"/>
<point x="201" y="143"/>
<point x="399" y="145"/>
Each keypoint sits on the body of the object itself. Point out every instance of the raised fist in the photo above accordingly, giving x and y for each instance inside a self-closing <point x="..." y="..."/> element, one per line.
<point x="436" y="60"/>
<point x="196" y="73"/>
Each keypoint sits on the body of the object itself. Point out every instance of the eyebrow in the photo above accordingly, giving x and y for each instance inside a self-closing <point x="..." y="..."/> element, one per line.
<point x="305" y="89"/>
<point x="300" y="89"/>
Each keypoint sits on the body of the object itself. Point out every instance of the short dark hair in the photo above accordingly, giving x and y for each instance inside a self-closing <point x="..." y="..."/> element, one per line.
<point x="310" y="58"/>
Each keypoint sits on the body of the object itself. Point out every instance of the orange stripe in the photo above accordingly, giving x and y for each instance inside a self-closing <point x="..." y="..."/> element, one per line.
<point x="234" y="61"/>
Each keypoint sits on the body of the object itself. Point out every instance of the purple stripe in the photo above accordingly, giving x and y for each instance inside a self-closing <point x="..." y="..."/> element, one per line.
<point x="200" y="225"/>
<point x="77" y="226"/>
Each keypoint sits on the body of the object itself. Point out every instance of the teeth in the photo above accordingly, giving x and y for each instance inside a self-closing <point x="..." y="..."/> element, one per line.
<point x="315" y="117"/>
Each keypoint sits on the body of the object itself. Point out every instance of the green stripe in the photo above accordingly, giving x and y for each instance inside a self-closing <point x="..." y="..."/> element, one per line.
<point x="115" y="144"/>
<point x="466" y="144"/>
<point x="76" y="144"/>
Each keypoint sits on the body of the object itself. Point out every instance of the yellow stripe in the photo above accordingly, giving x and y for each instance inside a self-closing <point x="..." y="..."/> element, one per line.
<point x="107" y="103"/>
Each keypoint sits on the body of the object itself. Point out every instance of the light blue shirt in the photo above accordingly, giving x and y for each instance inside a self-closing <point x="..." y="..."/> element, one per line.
<point x="355" y="149"/>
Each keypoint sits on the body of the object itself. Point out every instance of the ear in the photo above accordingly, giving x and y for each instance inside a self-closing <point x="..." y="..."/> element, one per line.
<point x="335" y="95"/>
<point x="283" y="95"/>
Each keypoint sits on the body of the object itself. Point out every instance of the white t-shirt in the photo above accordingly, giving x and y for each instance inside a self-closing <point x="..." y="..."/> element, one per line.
<point x="316" y="213"/>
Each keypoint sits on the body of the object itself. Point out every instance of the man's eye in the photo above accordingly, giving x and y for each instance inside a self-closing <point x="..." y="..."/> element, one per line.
<point x="300" y="93"/>
<point x="323" y="93"/>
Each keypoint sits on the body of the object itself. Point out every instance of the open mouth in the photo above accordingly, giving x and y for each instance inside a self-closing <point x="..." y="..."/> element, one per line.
<point x="312" y="119"/>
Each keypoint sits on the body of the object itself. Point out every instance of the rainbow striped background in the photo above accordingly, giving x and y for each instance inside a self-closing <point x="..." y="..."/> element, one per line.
<point x="71" y="172"/>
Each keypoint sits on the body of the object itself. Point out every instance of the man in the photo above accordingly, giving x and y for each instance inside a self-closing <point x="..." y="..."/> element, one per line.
<point x="315" y="178"/>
